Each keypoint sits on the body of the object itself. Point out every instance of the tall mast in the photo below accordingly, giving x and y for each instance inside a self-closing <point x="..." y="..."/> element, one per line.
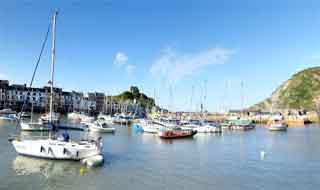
<point x="53" y="57"/>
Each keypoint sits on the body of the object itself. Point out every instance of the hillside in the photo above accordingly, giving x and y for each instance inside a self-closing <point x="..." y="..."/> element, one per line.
<point x="134" y="95"/>
<point x="299" y="92"/>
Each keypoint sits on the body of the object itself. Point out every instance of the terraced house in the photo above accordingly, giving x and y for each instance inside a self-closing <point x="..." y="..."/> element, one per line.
<point x="13" y="96"/>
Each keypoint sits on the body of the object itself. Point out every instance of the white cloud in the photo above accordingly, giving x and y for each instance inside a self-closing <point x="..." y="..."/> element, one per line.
<point x="173" y="67"/>
<point x="120" y="59"/>
<point x="130" y="68"/>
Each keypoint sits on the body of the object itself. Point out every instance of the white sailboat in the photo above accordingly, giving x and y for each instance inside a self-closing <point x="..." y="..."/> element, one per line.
<point x="52" y="147"/>
<point x="34" y="126"/>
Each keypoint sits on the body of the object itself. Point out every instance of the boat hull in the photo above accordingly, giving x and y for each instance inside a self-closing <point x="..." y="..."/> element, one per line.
<point x="54" y="149"/>
<point x="176" y="135"/>
<point x="102" y="130"/>
<point x="278" y="128"/>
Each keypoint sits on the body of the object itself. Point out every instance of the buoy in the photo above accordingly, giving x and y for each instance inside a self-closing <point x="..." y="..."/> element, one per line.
<point x="262" y="154"/>
<point x="93" y="161"/>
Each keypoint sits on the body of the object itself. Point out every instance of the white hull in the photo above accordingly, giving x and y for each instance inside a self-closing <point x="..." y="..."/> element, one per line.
<point x="103" y="130"/>
<point x="280" y="127"/>
<point x="55" y="149"/>
<point x="100" y="127"/>
<point x="149" y="129"/>
<point x="106" y="118"/>
<point x="208" y="129"/>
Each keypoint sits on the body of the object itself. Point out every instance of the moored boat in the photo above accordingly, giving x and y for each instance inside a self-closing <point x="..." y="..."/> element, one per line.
<point x="8" y="114"/>
<point x="241" y="124"/>
<point x="277" y="125"/>
<point x="100" y="126"/>
<point x="175" y="134"/>
<point x="62" y="147"/>
<point x="35" y="126"/>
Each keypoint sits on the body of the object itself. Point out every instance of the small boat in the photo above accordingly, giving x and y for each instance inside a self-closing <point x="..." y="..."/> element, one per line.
<point x="167" y="122"/>
<point x="241" y="124"/>
<point x="122" y="119"/>
<point x="100" y="126"/>
<point x="107" y="118"/>
<point x="174" y="134"/>
<point x="209" y="129"/>
<point x="80" y="117"/>
<point x="277" y="125"/>
<point x="8" y="114"/>
<point x="35" y="126"/>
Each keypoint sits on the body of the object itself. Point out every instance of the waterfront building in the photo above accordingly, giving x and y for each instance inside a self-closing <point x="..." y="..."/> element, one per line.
<point x="13" y="96"/>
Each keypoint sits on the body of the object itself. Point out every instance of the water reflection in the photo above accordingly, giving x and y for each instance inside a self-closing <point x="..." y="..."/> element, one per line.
<point x="23" y="165"/>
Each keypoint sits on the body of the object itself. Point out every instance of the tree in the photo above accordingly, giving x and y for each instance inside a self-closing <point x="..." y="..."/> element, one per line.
<point x="135" y="91"/>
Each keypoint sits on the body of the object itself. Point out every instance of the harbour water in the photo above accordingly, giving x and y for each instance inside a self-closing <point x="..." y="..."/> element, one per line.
<point x="232" y="161"/>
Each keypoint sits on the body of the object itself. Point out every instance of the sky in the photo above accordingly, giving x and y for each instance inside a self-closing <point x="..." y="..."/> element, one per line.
<point x="227" y="54"/>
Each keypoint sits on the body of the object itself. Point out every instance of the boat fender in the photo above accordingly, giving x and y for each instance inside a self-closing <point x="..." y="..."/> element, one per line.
<point x="77" y="154"/>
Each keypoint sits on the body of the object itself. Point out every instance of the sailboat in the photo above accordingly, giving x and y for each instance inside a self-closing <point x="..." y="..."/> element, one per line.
<point x="34" y="126"/>
<point x="53" y="147"/>
<point x="276" y="122"/>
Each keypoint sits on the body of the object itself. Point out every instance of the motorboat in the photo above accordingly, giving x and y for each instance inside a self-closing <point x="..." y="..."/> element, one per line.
<point x="175" y="134"/>
<point x="148" y="126"/>
<point x="122" y="119"/>
<point x="277" y="125"/>
<point x="167" y="122"/>
<point x="241" y="124"/>
<point x="107" y="118"/>
<point x="80" y="117"/>
<point x="100" y="126"/>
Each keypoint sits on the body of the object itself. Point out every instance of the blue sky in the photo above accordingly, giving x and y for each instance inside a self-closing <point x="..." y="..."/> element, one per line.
<point x="161" y="45"/>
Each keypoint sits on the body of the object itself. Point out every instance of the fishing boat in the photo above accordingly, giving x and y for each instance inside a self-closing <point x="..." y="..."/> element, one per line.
<point x="175" y="134"/>
<point x="100" y="126"/>
<point x="53" y="147"/>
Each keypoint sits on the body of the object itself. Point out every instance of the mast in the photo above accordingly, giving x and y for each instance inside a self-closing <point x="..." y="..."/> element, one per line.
<point x="53" y="57"/>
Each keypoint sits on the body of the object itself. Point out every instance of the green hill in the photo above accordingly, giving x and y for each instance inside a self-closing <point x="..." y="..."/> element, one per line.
<point x="298" y="92"/>
<point x="134" y="95"/>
